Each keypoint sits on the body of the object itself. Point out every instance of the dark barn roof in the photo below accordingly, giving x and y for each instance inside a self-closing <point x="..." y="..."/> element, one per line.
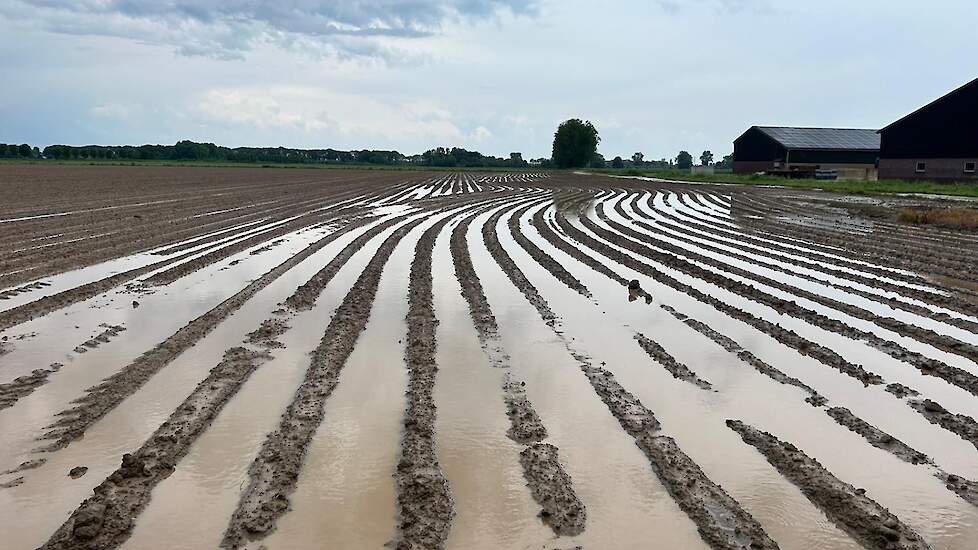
<point x="823" y="138"/>
<point x="969" y="88"/>
<point x="942" y="129"/>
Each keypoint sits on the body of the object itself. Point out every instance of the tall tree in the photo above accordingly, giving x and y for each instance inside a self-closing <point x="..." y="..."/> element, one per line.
<point x="575" y="143"/>
<point x="617" y="162"/>
<point x="684" y="160"/>
<point x="638" y="159"/>
<point x="706" y="158"/>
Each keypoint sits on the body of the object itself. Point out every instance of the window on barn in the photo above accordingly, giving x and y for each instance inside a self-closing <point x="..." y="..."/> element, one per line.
<point x="921" y="167"/>
<point x="969" y="168"/>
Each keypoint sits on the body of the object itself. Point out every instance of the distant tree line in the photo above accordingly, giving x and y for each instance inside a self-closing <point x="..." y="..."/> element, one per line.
<point x="22" y="151"/>
<point x="191" y="151"/>
<point x="683" y="161"/>
<point x="457" y="157"/>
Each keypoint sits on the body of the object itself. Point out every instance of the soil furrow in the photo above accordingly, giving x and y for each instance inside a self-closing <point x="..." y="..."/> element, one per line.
<point x="953" y="375"/>
<point x="686" y="225"/>
<point x="747" y="357"/>
<point x="541" y="257"/>
<point x="720" y="519"/>
<point x="862" y="517"/>
<point x="274" y="472"/>
<point x="102" y="398"/>
<point x="786" y="337"/>
<point x="678" y="370"/>
<point x="105" y="519"/>
<point x="424" y="498"/>
<point x="550" y="486"/>
<point x="674" y="258"/>
<point x="789" y="338"/>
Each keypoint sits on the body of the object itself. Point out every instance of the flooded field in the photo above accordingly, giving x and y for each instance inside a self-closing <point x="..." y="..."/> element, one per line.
<point x="237" y="358"/>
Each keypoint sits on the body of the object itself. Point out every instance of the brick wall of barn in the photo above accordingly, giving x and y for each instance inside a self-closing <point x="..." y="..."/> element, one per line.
<point x="936" y="169"/>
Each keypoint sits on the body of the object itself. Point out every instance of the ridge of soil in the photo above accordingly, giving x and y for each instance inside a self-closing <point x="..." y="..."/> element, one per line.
<point x="855" y="513"/>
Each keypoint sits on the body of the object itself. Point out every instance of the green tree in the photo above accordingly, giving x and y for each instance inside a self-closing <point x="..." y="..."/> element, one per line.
<point x="638" y="159"/>
<point x="597" y="161"/>
<point x="684" y="160"/>
<point x="726" y="163"/>
<point x="575" y="143"/>
<point x="617" y="163"/>
<point x="706" y="158"/>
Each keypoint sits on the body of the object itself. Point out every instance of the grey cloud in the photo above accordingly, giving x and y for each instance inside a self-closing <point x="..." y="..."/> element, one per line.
<point x="228" y="29"/>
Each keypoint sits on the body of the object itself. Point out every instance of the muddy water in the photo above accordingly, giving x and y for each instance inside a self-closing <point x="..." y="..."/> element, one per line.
<point x="47" y="496"/>
<point x="830" y="292"/>
<point x="77" y="277"/>
<point x="605" y="333"/>
<point x="724" y="239"/>
<point x="190" y="509"/>
<point x="345" y="493"/>
<point x="493" y="506"/>
<point x="626" y="504"/>
<point x="158" y="315"/>
<point x="698" y="417"/>
<point x="668" y="235"/>
<point x="856" y="352"/>
<point x="897" y="419"/>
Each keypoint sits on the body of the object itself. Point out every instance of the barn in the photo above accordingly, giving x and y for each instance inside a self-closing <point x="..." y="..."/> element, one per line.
<point x="801" y="152"/>
<point x="936" y="142"/>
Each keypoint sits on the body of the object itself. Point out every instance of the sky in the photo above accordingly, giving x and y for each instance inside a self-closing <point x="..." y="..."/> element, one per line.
<point x="654" y="76"/>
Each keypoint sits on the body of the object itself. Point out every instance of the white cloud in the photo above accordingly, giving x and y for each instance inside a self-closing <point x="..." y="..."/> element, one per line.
<point x="318" y="112"/>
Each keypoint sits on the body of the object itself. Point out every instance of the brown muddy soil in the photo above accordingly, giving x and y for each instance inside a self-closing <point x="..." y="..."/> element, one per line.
<point x="872" y="280"/>
<point x="424" y="497"/>
<point x="274" y="472"/>
<point x="860" y="516"/>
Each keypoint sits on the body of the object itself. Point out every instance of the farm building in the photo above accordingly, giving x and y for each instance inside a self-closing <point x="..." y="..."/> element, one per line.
<point x="849" y="153"/>
<point x="938" y="141"/>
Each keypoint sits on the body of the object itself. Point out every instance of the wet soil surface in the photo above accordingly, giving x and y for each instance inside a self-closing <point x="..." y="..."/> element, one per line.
<point x="849" y="507"/>
<point x="770" y="276"/>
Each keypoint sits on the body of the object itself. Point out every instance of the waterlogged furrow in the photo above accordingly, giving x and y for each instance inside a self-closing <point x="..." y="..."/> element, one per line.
<point x="964" y="488"/>
<point x="688" y="227"/>
<point x="100" y="399"/>
<point x="534" y="251"/>
<point x="747" y="357"/>
<point x="675" y="260"/>
<point x="549" y="484"/>
<point x="956" y="424"/>
<point x="424" y="498"/>
<point x="849" y="508"/>
<point x="105" y="519"/>
<point x="675" y="368"/>
<point x="720" y="520"/>
<point x="274" y="472"/>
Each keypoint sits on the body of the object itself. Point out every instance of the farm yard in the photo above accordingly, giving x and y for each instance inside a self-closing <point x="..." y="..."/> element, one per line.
<point x="290" y="358"/>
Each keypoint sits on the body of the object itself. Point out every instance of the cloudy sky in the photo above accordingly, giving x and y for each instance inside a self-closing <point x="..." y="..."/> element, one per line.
<point x="654" y="76"/>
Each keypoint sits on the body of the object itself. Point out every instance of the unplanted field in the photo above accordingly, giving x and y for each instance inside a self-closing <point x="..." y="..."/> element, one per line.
<point x="225" y="357"/>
